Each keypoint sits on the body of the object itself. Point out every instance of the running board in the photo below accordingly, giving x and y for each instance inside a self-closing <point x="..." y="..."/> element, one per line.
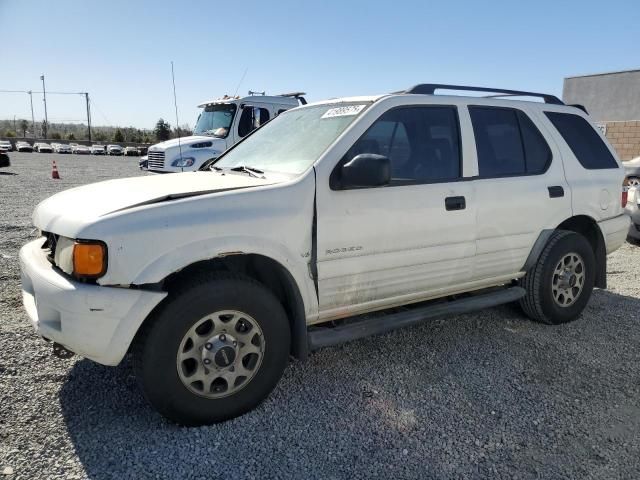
<point x="325" y="337"/>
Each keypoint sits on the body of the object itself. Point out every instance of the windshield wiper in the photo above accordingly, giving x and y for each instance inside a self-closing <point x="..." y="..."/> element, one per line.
<point x="250" y="170"/>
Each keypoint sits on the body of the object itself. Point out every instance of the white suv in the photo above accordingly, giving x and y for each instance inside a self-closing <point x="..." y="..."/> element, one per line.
<point x="437" y="204"/>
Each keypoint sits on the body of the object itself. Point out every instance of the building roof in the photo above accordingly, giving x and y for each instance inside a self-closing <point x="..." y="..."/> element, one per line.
<point x="615" y="72"/>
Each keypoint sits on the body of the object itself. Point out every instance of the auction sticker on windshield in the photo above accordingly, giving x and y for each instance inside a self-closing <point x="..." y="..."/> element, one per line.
<point x="343" y="111"/>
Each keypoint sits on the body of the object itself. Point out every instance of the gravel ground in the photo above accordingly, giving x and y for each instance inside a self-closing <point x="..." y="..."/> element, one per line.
<point x="489" y="394"/>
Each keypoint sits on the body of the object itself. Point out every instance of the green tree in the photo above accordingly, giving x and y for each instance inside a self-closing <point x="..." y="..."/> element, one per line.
<point x="55" y="136"/>
<point x="183" y="131"/>
<point x="24" y="126"/>
<point x="162" y="130"/>
<point x="118" y="136"/>
<point x="45" y="128"/>
<point x="71" y="136"/>
<point x="10" y="133"/>
<point x="100" y="137"/>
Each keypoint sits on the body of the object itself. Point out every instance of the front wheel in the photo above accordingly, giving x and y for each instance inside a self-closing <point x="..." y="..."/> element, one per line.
<point x="214" y="351"/>
<point x="559" y="285"/>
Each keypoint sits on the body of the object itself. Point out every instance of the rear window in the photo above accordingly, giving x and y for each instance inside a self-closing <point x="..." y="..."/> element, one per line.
<point x="585" y="143"/>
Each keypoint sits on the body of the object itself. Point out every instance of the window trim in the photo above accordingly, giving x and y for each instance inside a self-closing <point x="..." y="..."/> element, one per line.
<point x="524" y="151"/>
<point x="335" y="184"/>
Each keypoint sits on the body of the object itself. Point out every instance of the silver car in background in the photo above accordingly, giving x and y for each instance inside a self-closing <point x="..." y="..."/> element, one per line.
<point x="632" y="171"/>
<point x="633" y="210"/>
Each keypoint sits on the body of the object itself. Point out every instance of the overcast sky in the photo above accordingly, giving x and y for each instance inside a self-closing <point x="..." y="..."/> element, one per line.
<point x="120" y="50"/>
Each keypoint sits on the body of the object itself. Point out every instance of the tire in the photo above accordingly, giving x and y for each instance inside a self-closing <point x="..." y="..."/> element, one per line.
<point x="156" y="352"/>
<point x="544" y="286"/>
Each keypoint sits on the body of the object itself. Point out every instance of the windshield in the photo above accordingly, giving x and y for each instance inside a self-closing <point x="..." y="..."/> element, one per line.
<point x="215" y="120"/>
<point x="294" y="140"/>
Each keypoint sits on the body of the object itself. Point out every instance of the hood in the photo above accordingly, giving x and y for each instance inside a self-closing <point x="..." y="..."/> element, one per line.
<point x="67" y="212"/>
<point x="186" y="141"/>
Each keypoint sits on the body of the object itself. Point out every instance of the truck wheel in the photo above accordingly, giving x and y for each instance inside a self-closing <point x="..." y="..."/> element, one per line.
<point x="559" y="285"/>
<point x="213" y="351"/>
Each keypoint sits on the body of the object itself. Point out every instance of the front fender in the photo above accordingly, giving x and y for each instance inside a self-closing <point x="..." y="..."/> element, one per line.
<point x="173" y="261"/>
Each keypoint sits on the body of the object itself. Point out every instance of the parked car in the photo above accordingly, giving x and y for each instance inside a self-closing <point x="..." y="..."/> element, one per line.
<point x="114" y="150"/>
<point x="222" y="123"/>
<point x="97" y="149"/>
<point x="22" y="146"/>
<point x="331" y="211"/>
<point x="5" y="146"/>
<point x="632" y="171"/>
<point x="42" y="147"/>
<point x="633" y="210"/>
<point x="130" y="152"/>
<point x="4" y="159"/>
<point x="80" y="150"/>
<point x="63" y="148"/>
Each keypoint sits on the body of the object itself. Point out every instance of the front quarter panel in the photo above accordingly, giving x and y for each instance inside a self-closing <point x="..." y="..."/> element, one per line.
<point x="146" y="244"/>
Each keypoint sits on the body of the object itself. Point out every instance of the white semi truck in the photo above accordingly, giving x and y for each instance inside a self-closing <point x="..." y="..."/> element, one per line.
<point x="221" y="124"/>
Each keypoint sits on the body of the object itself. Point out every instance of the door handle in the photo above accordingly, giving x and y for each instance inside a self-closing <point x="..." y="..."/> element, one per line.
<point x="455" y="203"/>
<point x="556" y="191"/>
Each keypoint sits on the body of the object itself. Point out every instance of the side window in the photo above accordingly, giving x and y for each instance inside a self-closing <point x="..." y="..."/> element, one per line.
<point x="251" y="118"/>
<point x="586" y="145"/>
<point x="264" y="118"/>
<point x="537" y="153"/>
<point x="245" y="124"/>
<point x="422" y="144"/>
<point x="498" y="141"/>
<point x="280" y="111"/>
<point x="508" y="143"/>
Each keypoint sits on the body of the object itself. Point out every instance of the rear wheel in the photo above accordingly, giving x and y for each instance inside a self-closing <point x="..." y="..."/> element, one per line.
<point x="214" y="351"/>
<point x="559" y="285"/>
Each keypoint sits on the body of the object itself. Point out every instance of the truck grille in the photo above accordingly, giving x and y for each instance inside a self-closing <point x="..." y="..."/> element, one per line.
<point x="156" y="160"/>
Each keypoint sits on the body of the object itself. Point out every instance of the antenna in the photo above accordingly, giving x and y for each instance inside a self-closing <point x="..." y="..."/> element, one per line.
<point x="240" y="82"/>
<point x="175" y="104"/>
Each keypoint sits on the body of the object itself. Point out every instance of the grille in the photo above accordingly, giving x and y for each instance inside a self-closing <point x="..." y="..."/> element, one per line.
<point x="50" y="245"/>
<point x="156" y="160"/>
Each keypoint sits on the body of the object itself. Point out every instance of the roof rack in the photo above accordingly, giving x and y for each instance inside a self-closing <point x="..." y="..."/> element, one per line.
<point x="430" y="88"/>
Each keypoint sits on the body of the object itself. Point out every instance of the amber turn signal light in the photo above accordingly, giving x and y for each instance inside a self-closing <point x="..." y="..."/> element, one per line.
<point x="89" y="259"/>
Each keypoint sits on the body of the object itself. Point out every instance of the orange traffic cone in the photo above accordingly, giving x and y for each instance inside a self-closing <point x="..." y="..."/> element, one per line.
<point x="54" y="173"/>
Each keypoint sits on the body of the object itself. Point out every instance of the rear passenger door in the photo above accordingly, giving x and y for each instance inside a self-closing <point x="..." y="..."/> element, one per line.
<point x="520" y="189"/>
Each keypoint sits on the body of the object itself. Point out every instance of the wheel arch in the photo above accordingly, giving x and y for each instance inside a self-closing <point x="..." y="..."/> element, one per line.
<point x="268" y="272"/>
<point x="588" y="228"/>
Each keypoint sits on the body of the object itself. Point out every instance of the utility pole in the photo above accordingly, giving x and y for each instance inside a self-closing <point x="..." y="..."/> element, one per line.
<point x="86" y="96"/>
<point x="33" y="121"/>
<point x="14" y="125"/>
<point x="44" y="99"/>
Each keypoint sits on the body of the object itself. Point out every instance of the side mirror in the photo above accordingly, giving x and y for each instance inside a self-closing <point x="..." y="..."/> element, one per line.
<point x="366" y="170"/>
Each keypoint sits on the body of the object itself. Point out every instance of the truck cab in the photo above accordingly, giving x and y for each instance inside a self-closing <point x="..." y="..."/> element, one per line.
<point x="222" y="123"/>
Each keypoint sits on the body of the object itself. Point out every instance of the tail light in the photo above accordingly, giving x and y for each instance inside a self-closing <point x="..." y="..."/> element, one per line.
<point x="625" y="193"/>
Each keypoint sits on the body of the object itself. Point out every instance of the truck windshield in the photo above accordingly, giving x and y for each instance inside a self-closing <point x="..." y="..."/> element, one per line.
<point x="215" y="120"/>
<point x="294" y="140"/>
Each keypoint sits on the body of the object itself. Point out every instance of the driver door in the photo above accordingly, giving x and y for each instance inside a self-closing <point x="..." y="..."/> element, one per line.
<point x="405" y="242"/>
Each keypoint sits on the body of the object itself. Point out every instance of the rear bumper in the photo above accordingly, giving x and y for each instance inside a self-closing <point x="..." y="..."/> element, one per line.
<point x="93" y="321"/>
<point x="614" y="231"/>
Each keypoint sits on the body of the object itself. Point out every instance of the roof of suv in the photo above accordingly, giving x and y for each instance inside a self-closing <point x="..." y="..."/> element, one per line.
<point x="499" y="96"/>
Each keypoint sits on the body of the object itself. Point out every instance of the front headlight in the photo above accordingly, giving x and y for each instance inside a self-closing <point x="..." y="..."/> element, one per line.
<point x="89" y="259"/>
<point x="81" y="258"/>
<point x="183" y="162"/>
